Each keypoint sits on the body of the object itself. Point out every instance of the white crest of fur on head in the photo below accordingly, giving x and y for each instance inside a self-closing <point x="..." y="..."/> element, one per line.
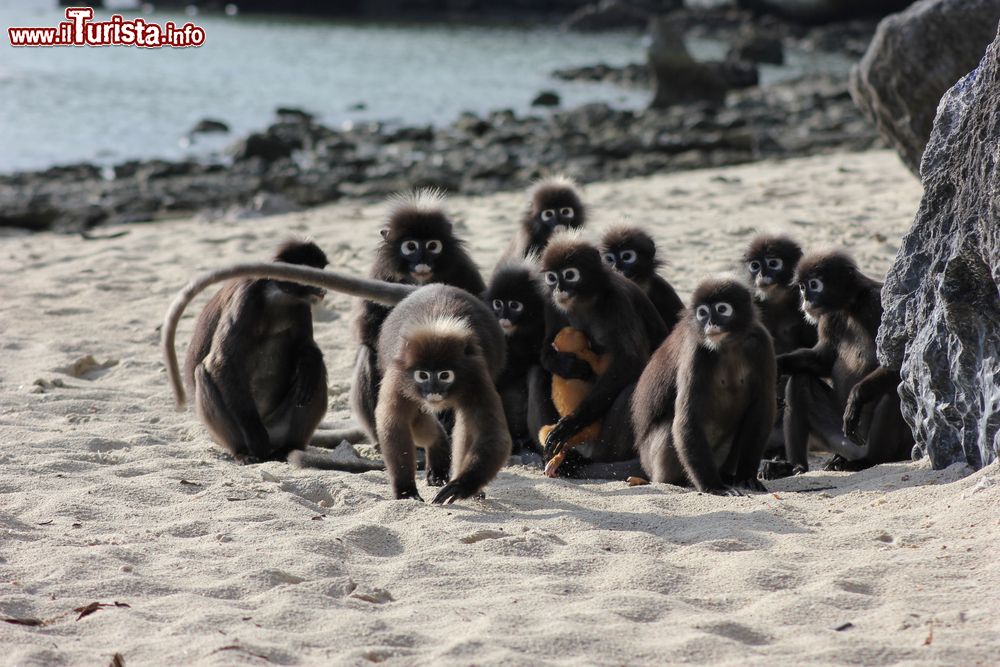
<point x="448" y="326"/>
<point x="566" y="236"/>
<point x="421" y="200"/>
<point x="555" y="181"/>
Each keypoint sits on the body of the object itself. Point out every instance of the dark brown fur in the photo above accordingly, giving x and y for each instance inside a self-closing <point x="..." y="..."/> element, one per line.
<point x="258" y="377"/>
<point x="419" y="218"/>
<point x="551" y="194"/>
<point x="619" y="321"/>
<point x="703" y="409"/>
<point x="847" y="310"/>
<point x="616" y="243"/>
<point x="776" y="293"/>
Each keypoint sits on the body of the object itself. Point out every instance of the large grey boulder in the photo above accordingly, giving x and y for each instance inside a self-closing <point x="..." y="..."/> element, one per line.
<point x="815" y="11"/>
<point x="941" y="323"/>
<point x="913" y="59"/>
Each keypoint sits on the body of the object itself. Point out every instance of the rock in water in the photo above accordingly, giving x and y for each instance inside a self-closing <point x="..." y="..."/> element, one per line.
<point x="941" y="323"/>
<point x="678" y="77"/>
<point x="913" y="59"/>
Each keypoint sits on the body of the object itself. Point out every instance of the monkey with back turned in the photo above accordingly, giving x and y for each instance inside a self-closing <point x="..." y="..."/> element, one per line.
<point x="847" y="308"/>
<point x="705" y="404"/>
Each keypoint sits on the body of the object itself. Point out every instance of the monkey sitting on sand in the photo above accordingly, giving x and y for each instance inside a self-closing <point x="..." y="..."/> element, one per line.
<point x="568" y="393"/>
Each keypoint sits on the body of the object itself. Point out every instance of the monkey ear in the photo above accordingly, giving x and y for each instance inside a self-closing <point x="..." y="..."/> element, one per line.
<point x="384" y="232"/>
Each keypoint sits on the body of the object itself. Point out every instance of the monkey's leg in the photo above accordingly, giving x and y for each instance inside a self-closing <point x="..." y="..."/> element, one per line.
<point x="887" y="438"/>
<point x="240" y="431"/>
<point x="541" y="411"/>
<point x="659" y="460"/>
<point x="429" y="434"/>
<point x="291" y="427"/>
<point x="364" y="392"/>
<point x="810" y="409"/>
<point x="749" y="444"/>
<point x="394" y="417"/>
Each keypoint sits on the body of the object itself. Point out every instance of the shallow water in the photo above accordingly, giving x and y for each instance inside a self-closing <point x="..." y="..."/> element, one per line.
<point x="65" y="104"/>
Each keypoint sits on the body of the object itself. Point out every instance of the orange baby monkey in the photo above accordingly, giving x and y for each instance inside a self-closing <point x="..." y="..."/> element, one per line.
<point x="567" y="393"/>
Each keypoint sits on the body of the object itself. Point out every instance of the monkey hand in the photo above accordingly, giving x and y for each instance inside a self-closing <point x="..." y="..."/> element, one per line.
<point x="852" y="415"/>
<point x="560" y="434"/>
<point x="247" y="459"/>
<point x="457" y="489"/>
<point x="567" y="365"/>
<point x="726" y="491"/>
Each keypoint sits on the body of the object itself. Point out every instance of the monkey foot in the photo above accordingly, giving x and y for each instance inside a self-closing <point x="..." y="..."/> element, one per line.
<point x="751" y="486"/>
<point x="777" y="468"/>
<point x="436" y="478"/>
<point x="552" y="466"/>
<point x="839" y="464"/>
<point x="247" y="459"/>
<point x="637" y="481"/>
<point x="408" y="494"/>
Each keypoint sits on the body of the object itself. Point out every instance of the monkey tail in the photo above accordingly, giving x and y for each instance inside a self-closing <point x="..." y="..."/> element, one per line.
<point x="386" y="293"/>
<point x="311" y="458"/>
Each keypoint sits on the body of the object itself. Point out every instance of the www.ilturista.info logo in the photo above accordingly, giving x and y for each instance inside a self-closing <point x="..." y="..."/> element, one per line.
<point x="81" y="30"/>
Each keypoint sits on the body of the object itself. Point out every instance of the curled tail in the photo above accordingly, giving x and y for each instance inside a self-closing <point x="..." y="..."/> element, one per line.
<point x="386" y="293"/>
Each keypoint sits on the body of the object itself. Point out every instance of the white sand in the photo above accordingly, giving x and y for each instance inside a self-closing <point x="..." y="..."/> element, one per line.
<point x="107" y="494"/>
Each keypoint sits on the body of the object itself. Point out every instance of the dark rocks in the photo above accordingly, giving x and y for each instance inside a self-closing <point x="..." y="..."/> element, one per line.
<point x="292" y="114"/>
<point x="914" y="58"/>
<point x="679" y="78"/>
<point x="633" y="75"/>
<point x="546" y="98"/>
<point x="264" y="146"/>
<point x="757" y="48"/>
<point x="941" y="323"/>
<point x="209" y="126"/>
<point x="816" y="11"/>
<point x="607" y="15"/>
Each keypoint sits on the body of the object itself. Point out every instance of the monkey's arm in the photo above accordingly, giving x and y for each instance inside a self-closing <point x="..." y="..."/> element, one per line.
<point x="880" y="382"/>
<point x="656" y="326"/>
<point x="817" y="360"/>
<point x="690" y="442"/>
<point x="758" y="418"/>
<point x="310" y="374"/>
<point x="563" y="364"/>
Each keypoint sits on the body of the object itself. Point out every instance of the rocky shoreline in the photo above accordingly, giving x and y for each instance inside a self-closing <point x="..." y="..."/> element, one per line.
<point x="297" y="162"/>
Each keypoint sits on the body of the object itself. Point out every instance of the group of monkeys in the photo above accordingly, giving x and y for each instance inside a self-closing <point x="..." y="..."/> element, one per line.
<point x="582" y="353"/>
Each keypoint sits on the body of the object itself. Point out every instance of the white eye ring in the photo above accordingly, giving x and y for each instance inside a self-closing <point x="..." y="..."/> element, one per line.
<point x="815" y="285"/>
<point x="754" y="266"/>
<point x="421" y="376"/>
<point x="548" y="214"/>
<point x="434" y="247"/>
<point x="446" y="376"/>
<point x="567" y="212"/>
<point x="571" y="275"/>
<point x="409" y="247"/>
<point x="497" y="304"/>
<point x="775" y="263"/>
<point x="629" y="256"/>
<point x="551" y="278"/>
<point x="609" y="259"/>
<point x="724" y="309"/>
<point x="702" y="312"/>
<point x="515" y="306"/>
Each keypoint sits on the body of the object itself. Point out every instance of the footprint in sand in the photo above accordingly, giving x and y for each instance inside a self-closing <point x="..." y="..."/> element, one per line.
<point x="739" y="633"/>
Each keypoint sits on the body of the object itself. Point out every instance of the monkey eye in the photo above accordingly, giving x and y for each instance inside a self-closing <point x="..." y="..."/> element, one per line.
<point x="724" y="309"/>
<point x="702" y="312"/>
<point x="551" y="278"/>
<point x="571" y="275"/>
<point x="629" y="256"/>
<point x="815" y="285"/>
<point x="754" y="266"/>
<point x="567" y="212"/>
<point x="434" y="247"/>
<point x="775" y="263"/>
<point x="446" y="376"/>
<point x="609" y="259"/>
<point x="409" y="247"/>
<point x="421" y="376"/>
<point x="548" y="214"/>
<point x="497" y="305"/>
<point x="515" y="306"/>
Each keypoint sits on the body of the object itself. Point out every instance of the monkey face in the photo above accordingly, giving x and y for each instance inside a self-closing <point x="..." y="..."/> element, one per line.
<point x="721" y="308"/>
<point x="630" y="251"/>
<point x="555" y="210"/>
<point x="508" y="314"/>
<point x="515" y="298"/>
<point x="770" y="262"/>
<point x="627" y="262"/>
<point x="565" y="285"/>
<point x="419" y="256"/>
<point x="827" y="282"/>
<point x="433" y="385"/>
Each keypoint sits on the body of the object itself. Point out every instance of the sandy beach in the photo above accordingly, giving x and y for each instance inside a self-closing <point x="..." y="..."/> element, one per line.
<point x="107" y="494"/>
